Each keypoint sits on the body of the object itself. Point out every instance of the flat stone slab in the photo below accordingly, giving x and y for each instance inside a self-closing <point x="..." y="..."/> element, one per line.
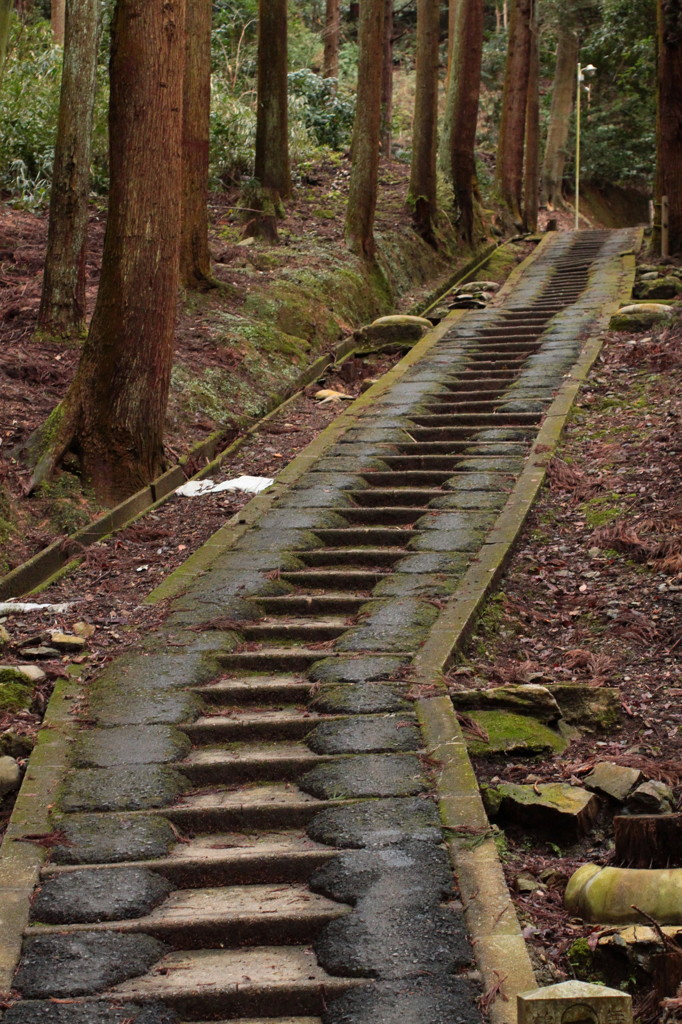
<point x="82" y="897"/>
<point x="377" y="823"/>
<point x="526" y="699"/>
<point x="132" y="744"/>
<point x="401" y="624"/>
<point x="366" y="775"/>
<point x="420" y="869"/>
<point x="61" y="966"/>
<point x="359" y="699"/>
<point x="569" y="809"/>
<point x="509" y="732"/>
<point x="365" y="735"/>
<point x="359" y="669"/>
<point x="122" y="788"/>
<point x="112" y="838"/>
<point x="613" y="780"/>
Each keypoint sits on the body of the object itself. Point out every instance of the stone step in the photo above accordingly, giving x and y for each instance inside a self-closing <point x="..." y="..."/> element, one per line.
<point x="267" y="724"/>
<point x="299" y="604"/>
<point x="248" y="763"/>
<point x="231" y="916"/>
<point x="256" y="689"/>
<point x="249" y="806"/>
<point x="374" y="557"/>
<point x="226" y="858"/>
<point x="217" y="982"/>
<point x="303" y="630"/>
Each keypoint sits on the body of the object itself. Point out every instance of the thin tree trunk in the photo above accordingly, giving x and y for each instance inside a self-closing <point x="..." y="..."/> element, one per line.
<point x="514" y="102"/>
<point x="195" y="259"/>
<point x="387" y="82"/>
<point x="531" y="182"/>
<point x="422" y="190"/>
<point x="462" y="104"/>
<point x="362" y="193"/>
<point x="62" y="303"/>
<point x="272" y="169"/>
<point x="669" y="120"/>
<point x="332" y="35"/>
<point x="58" y="20"/>
<point x="6" y="7"/>
<point x="114" y="412"/>
<point x="563" y="92"/>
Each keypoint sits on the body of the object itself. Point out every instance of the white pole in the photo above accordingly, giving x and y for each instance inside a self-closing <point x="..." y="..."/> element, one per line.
<point x="577" y="148"/>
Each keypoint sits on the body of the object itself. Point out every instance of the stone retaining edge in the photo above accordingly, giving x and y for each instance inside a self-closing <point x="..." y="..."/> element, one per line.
<point x="499" y="946"/>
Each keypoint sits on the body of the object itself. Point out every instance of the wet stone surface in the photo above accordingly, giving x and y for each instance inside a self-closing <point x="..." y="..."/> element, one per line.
<point x="33" y="1011"/>
<point x="77" y="965"/>
<point x="87" y="896"/>
<point x="377" y="823"/>
<point x="355" y="670"/>
<point x="417" y="868"/>
<point x="122" y="788"/>
<point x="359" y="699"/>
<point x="366" y="775"/>
<point x="412" y="1001"/>
<point x="102" y="839"/>
<point x="147" y="744"/>
<point x="369" y="734"/>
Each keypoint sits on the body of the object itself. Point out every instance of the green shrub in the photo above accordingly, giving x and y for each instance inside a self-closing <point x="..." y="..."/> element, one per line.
<point x="327" y="112"/>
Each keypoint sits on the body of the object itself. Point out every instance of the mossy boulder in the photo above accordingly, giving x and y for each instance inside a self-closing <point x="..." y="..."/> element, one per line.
<point x="15" y="694"/>
<point x="510" y="733"/>
<point x="590" y="708"/>
<point x="527" y="699"/>
<point x="640" y="317"/>
<point x="607" y="895"/>
<point x="397" y="328"/>
<point x="552" y="807"/>
<point x="668" y="287"/>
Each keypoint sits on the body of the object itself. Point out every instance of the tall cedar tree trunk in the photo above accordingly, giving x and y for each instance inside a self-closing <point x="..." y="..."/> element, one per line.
<point x="332" y="35"/>
<point x="58" y="20"/>
<point x="563" y="92"/>
<point x="6" y="7"/>
<point x="514" y="103"/>
<point x="387" y="82"/>
<point x="362" y="193"/>
<point x="62" y="303"/>
<point x="195" y="259"/>
<point x="531" y="171"/>
<point x="272" y="169"/>
<point x="422" y="191"/>
<point x="446" y="125"/>
<point x="669" y="126"/>
<point x="462" y="106"/>
<point x="113" y="414"/>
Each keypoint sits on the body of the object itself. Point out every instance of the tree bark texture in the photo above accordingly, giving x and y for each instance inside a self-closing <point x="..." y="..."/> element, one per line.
<point x="422" y="190"/>
<point x="444" y="162"/>
<point x="387" y="82"/>
<point x="58" y="20"/>
<point x="669" y="121"/>
<point x="462" y="109"/>
<point x="6" y="7"/>
<point x="563" y="92"/>
<point x="362" y="194"/>
<point x="531" y="170"/>
<point x="648" y="840"/>
<point x="272" y="128"/>
<point x="195" y="259"/>
<point x="62" y="303"/>
<point x="332" y="35"/>
<point x="113" y="415"/>
<point x="514" y="103"/>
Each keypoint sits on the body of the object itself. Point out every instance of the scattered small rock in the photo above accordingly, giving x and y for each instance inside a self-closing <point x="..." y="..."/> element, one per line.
<point x="613" y="780"/>
<point x="4" y="636"/>
<point x="41" y="653"/>
<point x="652" y="797"/>
<point x="67" y="641"/>
<point x="525" y="883"/>
<point x="551" y="807"/>
<point x="640" y="316"/>
<point x="10" y="776"/>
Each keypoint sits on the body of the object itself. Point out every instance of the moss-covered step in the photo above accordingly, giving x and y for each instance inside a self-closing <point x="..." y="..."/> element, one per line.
<point x="554" y="806"/>
<point x="510" y="733"/>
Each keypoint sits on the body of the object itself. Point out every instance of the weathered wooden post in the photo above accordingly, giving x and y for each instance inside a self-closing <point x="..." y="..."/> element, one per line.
<point x="574" y="1002"/>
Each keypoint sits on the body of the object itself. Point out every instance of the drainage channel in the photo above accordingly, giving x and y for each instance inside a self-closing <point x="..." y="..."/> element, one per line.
<point x="246" y="831"/>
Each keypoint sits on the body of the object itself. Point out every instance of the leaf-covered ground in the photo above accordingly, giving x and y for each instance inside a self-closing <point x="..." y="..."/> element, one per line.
<point x="593" y="595"/>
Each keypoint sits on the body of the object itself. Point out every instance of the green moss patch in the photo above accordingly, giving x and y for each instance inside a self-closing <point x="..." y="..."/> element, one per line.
<point x="510" y="733"/>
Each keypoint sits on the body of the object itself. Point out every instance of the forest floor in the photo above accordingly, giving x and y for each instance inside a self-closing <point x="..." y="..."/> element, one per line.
<point x="592" y="595"/>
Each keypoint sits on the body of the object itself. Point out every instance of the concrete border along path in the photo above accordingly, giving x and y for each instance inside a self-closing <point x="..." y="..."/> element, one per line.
<point x="252" y="827"/>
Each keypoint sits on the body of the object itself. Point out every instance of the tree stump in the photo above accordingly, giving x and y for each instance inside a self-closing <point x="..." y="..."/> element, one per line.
<point x="648" y="840"/>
